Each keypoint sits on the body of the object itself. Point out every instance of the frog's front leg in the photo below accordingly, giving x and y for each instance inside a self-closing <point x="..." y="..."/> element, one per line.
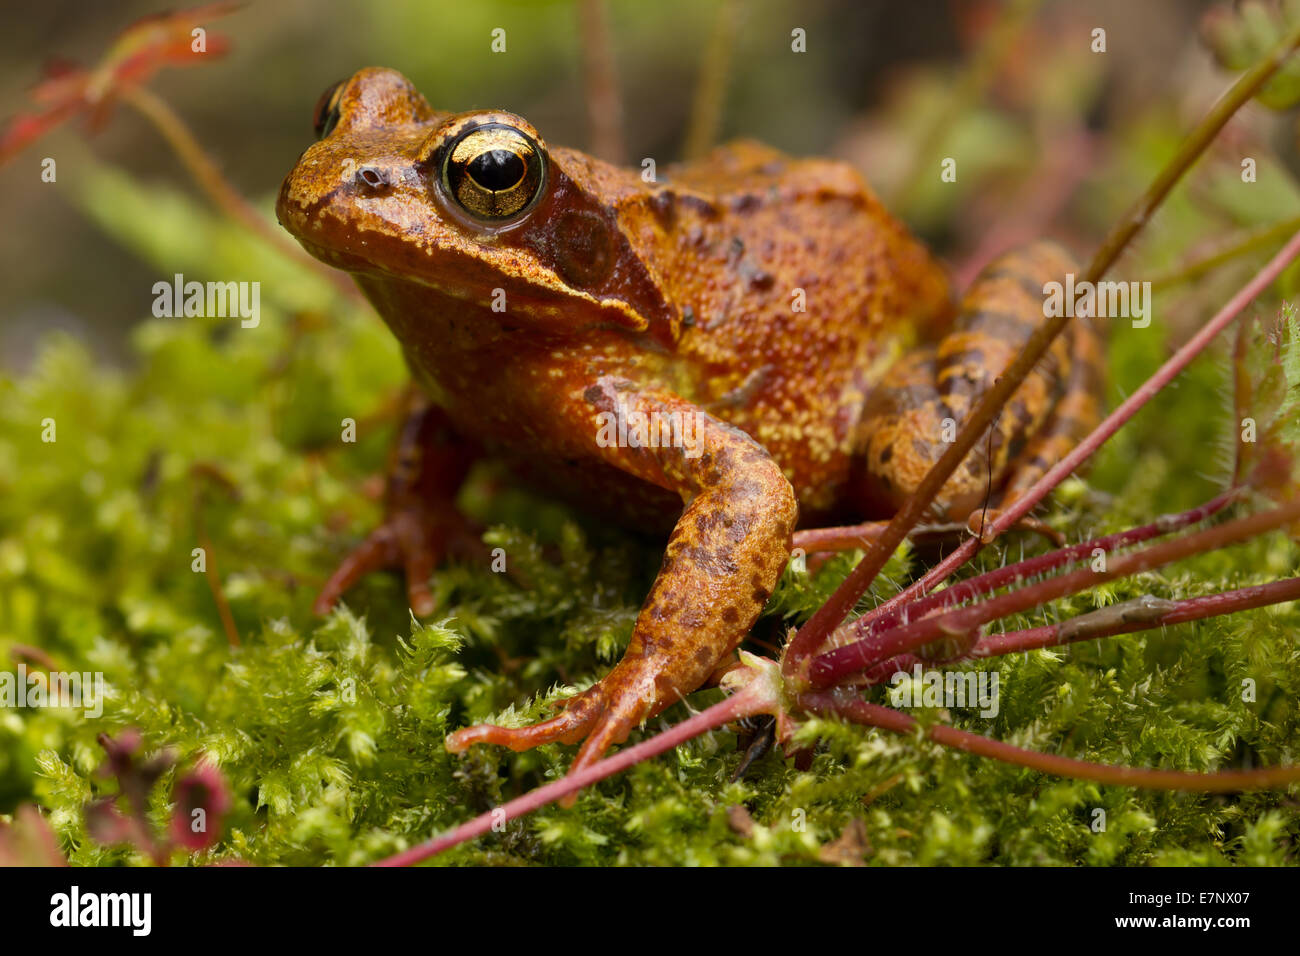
<point x="421" y="525"/>
<point x="721" y="563"/>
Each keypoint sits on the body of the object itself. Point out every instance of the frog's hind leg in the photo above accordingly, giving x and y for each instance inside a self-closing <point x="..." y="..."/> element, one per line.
<point x="921" y="404"/>
<point x="421" y="524"/>
<point x="1076" y="415"/>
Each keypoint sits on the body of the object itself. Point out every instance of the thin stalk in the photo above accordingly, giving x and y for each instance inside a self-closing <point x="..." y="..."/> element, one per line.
<point x="1257" y="239"/>
<point x="216" y="587"/>
<point x="831" y="667"/>
<point x="1224" y="781"/>
<point x="600" y="82"/>
<point x="1247" y="85"/>
<point x="711" y="91"/>
<point x="205" y="476"/>
<point x="1105" y="622"/>
<point x="837" y="607"/>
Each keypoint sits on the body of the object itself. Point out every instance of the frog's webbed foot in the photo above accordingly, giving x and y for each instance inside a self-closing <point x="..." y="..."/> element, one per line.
<point x="415" y="537"/>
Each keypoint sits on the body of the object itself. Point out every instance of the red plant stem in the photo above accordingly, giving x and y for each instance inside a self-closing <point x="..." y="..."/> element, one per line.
<point x="839" y="704"/>
<point x="831" y="667"/>
<point x="218" y="591"/>
<point x="205" y="475"/>
<point x="1017" y="509"/>
<point x="1189" y="609"/>
<point x="882" y="617"/>
<point x="1054" y="635"/>
<point x="747" y="702"/>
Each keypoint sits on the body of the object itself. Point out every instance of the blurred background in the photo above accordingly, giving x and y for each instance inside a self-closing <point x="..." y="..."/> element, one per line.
<point x="1013" y="89"/>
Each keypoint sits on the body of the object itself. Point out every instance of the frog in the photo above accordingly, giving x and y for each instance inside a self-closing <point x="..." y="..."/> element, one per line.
<point x="737" y="354"/>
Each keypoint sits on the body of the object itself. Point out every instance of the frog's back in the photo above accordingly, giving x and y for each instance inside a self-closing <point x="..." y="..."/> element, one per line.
<point x="798" y="289"/>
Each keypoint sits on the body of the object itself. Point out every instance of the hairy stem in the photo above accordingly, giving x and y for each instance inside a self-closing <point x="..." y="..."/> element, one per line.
<point x="1188" y="609"/>
<point x="889" y="614"/>
<point x="1148" y="390"/>
<point x="831" y="667"/>
<point x="1105" y="622"/>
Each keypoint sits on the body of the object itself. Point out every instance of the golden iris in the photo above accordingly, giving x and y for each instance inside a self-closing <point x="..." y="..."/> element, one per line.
<point x="493" y="172"/>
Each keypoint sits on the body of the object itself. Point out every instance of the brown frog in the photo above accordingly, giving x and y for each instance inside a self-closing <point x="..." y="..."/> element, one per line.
<point x="749" y="342"/>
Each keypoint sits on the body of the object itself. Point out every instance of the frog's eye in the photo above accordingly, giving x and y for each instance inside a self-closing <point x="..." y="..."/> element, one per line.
<point x="493" y="172"/>
<point x="326" y="115"/>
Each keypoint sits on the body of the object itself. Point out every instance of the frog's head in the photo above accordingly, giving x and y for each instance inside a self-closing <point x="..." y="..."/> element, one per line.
<point x="472" y="205"/>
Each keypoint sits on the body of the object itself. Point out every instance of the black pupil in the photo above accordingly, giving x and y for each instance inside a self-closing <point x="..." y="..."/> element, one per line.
<point x="497" y="169"/>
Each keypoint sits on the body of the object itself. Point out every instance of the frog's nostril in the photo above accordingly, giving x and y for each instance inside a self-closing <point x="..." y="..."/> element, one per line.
<point x="372" y="178"/>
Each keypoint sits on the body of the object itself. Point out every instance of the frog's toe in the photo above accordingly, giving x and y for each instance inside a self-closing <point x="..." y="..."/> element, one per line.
<point x="604" y="718"/>
<point x="378" y="551"/>
<point x="612" y="728"/>
<point x="567" y="727"/>
<point x="602" y="714"/>
<point x="415" y="540"/>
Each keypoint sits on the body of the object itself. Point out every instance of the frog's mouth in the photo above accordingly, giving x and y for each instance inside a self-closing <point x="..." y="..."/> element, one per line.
<point x="475" y="284"/>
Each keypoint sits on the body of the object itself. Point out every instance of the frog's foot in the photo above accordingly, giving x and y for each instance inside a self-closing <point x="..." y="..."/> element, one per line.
<point x="415" y="537"/>
<point x="604" y="714"/>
